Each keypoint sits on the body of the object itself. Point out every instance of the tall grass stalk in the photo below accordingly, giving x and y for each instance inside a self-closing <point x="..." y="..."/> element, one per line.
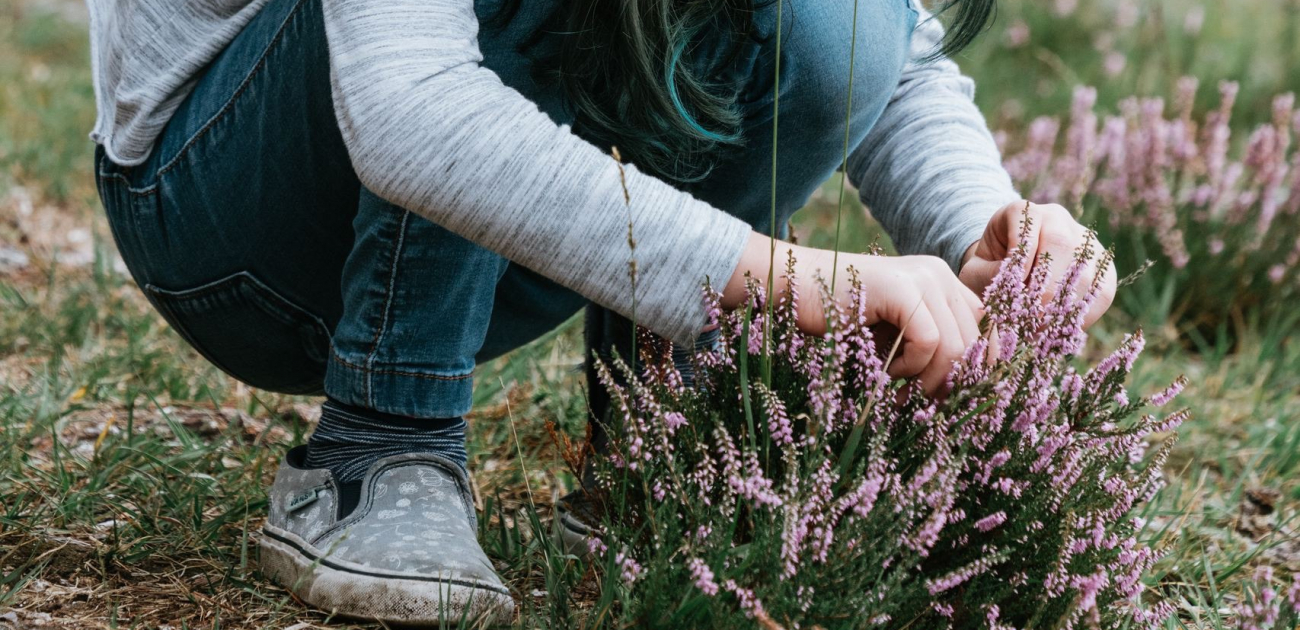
<point x="844" y="158"/>
<point x="776" y="118"/>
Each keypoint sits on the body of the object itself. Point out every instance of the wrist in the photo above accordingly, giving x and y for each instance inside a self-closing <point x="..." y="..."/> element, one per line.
<point x="969" y="253"/>
<point x="756" y="261"/>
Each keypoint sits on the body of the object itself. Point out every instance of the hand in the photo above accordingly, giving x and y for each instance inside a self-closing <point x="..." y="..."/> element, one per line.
<point x="1052" y="231"/>
<point x="918" y="295"/>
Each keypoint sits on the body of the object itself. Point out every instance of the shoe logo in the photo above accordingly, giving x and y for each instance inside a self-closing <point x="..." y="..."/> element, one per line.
<point x="302" y="500"/>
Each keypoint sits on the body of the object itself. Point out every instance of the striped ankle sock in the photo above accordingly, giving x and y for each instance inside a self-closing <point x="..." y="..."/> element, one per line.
<point x="348" y="440"/>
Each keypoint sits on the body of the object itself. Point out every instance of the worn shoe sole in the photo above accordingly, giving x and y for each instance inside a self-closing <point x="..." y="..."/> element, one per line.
<point x="349" y="590"/>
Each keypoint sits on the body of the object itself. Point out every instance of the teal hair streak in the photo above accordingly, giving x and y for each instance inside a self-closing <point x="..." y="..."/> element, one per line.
<point x="629" y="75"/>
<point x="670" y="81"/>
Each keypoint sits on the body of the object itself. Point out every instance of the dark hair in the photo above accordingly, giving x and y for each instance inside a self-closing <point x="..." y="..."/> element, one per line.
<point x="626" y="70"/>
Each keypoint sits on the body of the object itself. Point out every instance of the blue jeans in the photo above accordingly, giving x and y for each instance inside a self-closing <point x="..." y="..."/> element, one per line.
<point x="248" y="230"/>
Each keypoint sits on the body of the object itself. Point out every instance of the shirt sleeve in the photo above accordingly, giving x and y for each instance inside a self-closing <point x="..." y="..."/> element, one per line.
<point x="929" y="171"/>
<point x="430" y="129"/>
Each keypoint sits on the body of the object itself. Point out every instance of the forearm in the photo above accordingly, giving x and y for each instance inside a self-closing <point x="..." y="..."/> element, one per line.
<point x="758" y="259"/>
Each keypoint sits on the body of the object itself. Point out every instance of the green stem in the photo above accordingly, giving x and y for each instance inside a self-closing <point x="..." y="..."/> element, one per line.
<point x="771" y="262"/>
<point x="844" y="161"/>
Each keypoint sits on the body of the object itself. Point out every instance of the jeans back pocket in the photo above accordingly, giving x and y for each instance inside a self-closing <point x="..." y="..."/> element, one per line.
<point x="249" y="331"/>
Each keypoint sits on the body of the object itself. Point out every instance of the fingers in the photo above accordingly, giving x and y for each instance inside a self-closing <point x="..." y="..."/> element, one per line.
<point x="936" y="315"/>
<point x="1105" y="296"/>
<point x="937" y="332"/>
<point x="976" y="308"/>
<point x="920" y="340"/>
<point x="1032" y="235"/>
<point x="1060" y="237"/>
<point x="955" y="326"/>
<point x="1052" y="235"/>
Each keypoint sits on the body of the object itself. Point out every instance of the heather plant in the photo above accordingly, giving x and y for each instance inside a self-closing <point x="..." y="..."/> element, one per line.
<point x="1166" y="185"/>
<point x="1262" y="607"/>
<point x="1036" y="52"/>
<point x="824" y="494"/>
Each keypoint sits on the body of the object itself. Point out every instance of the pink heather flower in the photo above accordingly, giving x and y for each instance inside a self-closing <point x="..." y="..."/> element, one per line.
<point x="778" y="421"/>
<point x="988" y="523"/>
<point x="628" y="567"/>
<point x="1182" y="130"/>
<point x="673" y="421"/>
<point x="1161" y="399"/>
<point x="596" y="547"/>
<point x="702" y="576"/>
<point x="1263" y="574"/>
<point x="713" y="307"/>
<point x="957" y="578"/>
<point x="1088" y="588"/>
<point x="998" y="460"/>
<point x="1121" y="359"/>
<point x="1004" y="485"/>
<point x="1217" y="135"/>
<point x="745" y="480"/>
<point x="1111" y="146"/>
<point x="812" y="523"/>
<point x="1276" y="273"/>
<point x="1065" y="8"/>
<point x="1216" y="246"/>
<point x="1075" y="168"/>
<point x="1037" y="154"/>
<point x="702" y="533"/>
<point x="993" y="617"/>
<point x="1262" y="611"/>
<point x="1293" y="594"/>
<point x="749" y="603"/>
<point x="863" y="498"/>
<point x="1266" y="156"/>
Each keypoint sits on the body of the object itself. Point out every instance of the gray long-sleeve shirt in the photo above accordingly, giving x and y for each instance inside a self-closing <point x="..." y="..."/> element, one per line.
<point x="430" y="129"/>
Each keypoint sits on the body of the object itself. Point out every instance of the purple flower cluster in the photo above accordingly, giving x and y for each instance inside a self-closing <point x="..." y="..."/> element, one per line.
<point x="794" y="483"/>
<point x="1162" y="174"/>
<point x="1264" y="608"/>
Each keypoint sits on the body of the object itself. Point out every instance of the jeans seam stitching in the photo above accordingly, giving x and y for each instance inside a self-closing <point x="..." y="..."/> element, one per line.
<point x="371" y="371"/>
<point x="243" y="86"/>
<point x="398" y="245"/>
<point x="259" y="288"/>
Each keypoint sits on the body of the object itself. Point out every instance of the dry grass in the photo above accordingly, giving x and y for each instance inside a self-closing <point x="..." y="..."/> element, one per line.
<point x="132" y="474"/>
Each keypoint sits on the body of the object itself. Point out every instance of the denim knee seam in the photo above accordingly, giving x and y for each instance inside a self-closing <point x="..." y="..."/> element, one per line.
<point x="396" y="256"/>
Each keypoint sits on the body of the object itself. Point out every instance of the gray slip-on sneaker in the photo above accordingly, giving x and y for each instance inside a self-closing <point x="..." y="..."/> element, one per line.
<point x="407" y="554"/>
